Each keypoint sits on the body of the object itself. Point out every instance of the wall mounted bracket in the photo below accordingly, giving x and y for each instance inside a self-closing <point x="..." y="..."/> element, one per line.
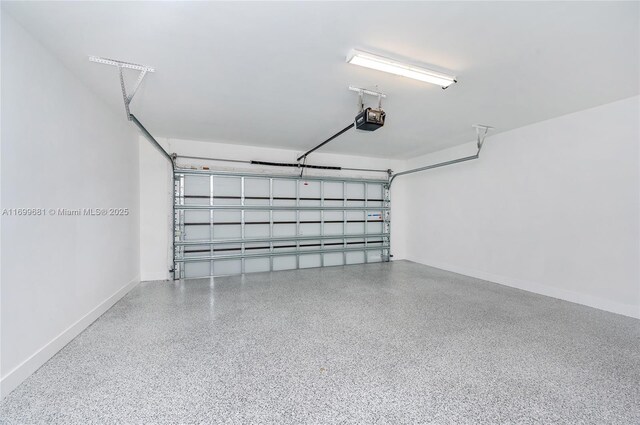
<point x="126" y="97"/>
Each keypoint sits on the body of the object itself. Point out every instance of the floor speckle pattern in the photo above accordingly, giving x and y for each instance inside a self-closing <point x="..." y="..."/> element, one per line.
<point x="391" y="343"/>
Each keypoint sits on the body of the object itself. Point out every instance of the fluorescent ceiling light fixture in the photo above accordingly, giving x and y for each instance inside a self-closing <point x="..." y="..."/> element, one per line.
<point x="369" y="60"/>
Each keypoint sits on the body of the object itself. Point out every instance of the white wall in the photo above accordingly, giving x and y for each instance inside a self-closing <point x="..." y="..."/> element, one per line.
<point x="61" y="148"/>
<point x="155" y="172"/>
<point x="155" y="213"/>
<point x="552" y="208"/>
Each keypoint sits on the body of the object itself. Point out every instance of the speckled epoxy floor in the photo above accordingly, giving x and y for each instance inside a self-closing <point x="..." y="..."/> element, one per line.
<point x="396" y="343"/>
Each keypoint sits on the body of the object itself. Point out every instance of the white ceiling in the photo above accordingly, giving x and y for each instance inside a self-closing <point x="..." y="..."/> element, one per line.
<point x="274" y="74"/>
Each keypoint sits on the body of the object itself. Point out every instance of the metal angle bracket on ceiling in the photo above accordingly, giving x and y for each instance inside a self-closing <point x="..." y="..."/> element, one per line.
<point x="127" y="97"/>
<point x="361" y="92"/>
<point x="481" y="133"/>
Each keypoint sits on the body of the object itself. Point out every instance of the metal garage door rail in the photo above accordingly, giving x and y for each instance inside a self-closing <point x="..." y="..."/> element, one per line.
<point x="275" y="254"/>
<point x="277" y="208"/>
<point x="280" y="239"/>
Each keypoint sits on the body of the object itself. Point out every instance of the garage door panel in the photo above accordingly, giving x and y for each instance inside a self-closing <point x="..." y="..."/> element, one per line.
<point x="354" y="215"/>
<point x="354" y="228"/>
<point x="284" y="263"/>
<point x="333" y="259"/>
<point x="283" y="188"/>
<point x="197" y="269"/>
<point x="332" y="216"/>
<point x="256" y="216"/>
<point x="374" y="191"/>
<point x="226" y="186"/>
<point x="374" y="256"/>
<point x="248" y="223"/>
<point x="333" y="228"/>
<point x="256" y="187"/>
<point x="374" y="227"/>
<point x="310" y="229"/>
<point x="310" y="216"/>
<point x="280" y="216"/>
<point x="227" y="267"/>
<point x="309" y="189"/>
<point x="355" y="257"/>
<point x="333" y="190"/>
<point x="227" y="232"/>
<point x="197" y="233"/>
<point x="355" y="190"/>
<point x="224" y="216"/>
<point x="284" y="230"/>
<point x="308" y="261"/>
<point x="197" y="216"/>
<point x="197" y="185"/>
<point x="254" y="265"/>
<point x="257" y="230"/>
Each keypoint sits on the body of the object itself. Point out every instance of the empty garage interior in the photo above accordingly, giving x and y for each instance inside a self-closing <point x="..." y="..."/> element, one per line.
<point x="320" y="212"/>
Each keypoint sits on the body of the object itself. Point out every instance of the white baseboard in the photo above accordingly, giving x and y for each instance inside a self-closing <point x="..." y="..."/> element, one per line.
<point x="549" y="291"/>
<point x="21" y="372"/>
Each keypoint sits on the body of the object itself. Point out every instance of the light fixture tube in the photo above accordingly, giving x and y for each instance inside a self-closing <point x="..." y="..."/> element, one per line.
<point x="369" y="60"/>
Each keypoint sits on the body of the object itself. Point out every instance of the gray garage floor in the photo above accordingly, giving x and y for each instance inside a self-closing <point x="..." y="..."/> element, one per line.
<point x="383" y="343"/>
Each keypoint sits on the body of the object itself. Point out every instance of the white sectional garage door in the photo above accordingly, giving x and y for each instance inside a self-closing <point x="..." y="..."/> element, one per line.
<point x="230" y="223"/>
